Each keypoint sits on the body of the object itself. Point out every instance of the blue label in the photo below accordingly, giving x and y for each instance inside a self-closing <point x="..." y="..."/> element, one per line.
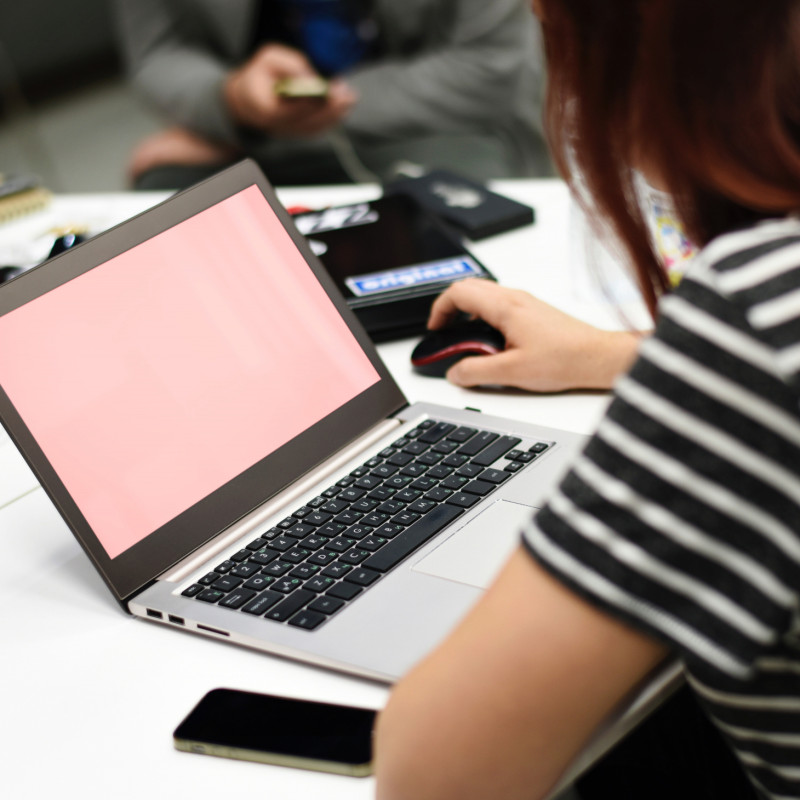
<point x="407" y="277"/>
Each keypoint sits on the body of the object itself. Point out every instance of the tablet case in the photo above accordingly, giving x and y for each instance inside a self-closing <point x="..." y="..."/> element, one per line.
<point x="390" y="259"/>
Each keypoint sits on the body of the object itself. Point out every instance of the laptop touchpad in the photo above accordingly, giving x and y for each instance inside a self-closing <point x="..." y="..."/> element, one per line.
<point x="477" y="552"/>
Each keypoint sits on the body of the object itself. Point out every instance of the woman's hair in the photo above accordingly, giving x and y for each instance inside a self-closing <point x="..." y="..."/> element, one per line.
<point x="703" y="95"/>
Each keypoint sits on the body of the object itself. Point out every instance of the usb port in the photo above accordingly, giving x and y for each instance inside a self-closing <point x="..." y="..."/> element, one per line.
<point x="155" y="614"/>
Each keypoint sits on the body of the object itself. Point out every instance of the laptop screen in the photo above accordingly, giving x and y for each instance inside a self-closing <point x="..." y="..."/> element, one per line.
<point x="178" y="365"/>
<point x="156" y="378"/>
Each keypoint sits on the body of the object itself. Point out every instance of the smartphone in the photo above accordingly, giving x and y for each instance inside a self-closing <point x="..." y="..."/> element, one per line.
<point x="310" y="86"/>
<point x="280" y="730"/>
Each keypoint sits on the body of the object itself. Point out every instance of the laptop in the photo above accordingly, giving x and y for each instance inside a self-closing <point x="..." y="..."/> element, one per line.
<point x="221" y="436"/>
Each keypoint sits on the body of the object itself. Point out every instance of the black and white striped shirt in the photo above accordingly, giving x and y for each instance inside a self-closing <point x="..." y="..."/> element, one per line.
<point x="682" y="516"/>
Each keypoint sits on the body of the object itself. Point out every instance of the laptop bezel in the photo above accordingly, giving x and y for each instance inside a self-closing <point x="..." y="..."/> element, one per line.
<point x="138" y="566"/>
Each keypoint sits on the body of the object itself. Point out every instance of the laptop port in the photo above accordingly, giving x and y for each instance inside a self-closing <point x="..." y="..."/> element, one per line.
<point x="155" y="614"/>
<point x="212" y="630"/>
<point x="176" y="620"/>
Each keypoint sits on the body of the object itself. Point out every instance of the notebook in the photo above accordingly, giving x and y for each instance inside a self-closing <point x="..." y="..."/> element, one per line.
<point x="222" y="438"/>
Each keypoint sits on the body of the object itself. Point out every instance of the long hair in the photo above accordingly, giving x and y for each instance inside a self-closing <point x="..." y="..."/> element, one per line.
<point x="702" y="94"/>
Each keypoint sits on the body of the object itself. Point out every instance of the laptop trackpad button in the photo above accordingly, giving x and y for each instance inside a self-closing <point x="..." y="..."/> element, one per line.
<point x="476" y="553"/>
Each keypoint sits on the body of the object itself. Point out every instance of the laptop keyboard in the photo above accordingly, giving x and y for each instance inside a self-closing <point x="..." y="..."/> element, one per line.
<point x="327" y="553"/>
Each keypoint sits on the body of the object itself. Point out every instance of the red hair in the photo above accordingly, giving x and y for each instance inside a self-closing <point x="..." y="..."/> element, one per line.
<point x="703" y="94"/>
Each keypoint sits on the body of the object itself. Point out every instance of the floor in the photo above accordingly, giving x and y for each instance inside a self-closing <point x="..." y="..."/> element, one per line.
<point x="78" y="142"/>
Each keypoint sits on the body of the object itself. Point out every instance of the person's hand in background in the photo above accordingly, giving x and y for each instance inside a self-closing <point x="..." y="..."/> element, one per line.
<point x="546" y="349"/>
<point x="253" y="101"/>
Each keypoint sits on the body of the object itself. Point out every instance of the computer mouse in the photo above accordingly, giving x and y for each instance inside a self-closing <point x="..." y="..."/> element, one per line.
<point x="440" y="349"/>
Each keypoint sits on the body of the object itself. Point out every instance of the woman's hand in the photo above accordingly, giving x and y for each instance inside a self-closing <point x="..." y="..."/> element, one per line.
<point x="546" y="349"/>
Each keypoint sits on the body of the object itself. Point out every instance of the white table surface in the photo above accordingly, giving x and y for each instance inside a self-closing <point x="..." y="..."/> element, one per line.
<point x="90" y="695"/>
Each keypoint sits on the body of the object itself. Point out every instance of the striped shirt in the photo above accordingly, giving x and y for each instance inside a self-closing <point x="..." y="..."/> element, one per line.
<point x="682" y="516"/>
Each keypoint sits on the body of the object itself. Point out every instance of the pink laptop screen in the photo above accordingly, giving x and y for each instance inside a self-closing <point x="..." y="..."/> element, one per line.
<point x="157" y="377"/>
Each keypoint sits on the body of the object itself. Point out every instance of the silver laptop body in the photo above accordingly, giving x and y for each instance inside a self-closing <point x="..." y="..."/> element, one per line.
<point x="200" y="521"/>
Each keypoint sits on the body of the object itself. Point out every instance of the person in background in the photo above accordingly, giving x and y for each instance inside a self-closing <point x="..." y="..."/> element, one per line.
<point x="677" y="530"/>
<point x="415" y="85"/>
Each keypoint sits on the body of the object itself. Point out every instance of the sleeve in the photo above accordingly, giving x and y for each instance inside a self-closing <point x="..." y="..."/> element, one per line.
<point x="173" y="60"/>
<point x="485" y="64"/>
<point x="681" y="516"/>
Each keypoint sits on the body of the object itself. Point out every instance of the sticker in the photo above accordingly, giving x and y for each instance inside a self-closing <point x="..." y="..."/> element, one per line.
<point x="418" y="275"/>
<point x="334" y="219"/>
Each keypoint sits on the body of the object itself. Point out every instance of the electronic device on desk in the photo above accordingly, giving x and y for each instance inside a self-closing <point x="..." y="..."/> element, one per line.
<point x="280" y="730"/>
<point x="390" y="258"/>
<point x="474" y="210"/>
<point x="21" y="194"/>
<point x="440" y="349"/>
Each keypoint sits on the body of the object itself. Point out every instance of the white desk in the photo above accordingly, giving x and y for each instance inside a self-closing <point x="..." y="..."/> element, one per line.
<point x="90" y="696"/>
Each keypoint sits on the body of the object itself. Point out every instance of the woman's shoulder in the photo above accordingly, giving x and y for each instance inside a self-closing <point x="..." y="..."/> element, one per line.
<point x="752" y="255"/>
<point x="749" y="281"/>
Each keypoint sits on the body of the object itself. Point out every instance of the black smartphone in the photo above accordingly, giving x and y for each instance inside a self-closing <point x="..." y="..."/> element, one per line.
<point x="280" y="730"/>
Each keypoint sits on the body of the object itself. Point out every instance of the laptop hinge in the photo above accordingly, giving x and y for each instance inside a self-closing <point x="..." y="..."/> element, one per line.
<point x="255" y="519"/>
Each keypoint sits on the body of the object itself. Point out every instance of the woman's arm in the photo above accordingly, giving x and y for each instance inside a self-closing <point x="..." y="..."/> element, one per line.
<point x="546" y="349"/>
<point x="504" y="705"/>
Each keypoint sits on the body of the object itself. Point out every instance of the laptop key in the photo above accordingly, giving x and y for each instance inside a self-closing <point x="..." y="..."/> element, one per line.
<point x="496" y="450"/>
<point x="237" y="598"/>
<point x="358" y="531"/>
<point x="335" y="570"/>
<point x="286" y="585"/>
<point x="344" y="591"/>
<point x="193" y="590"/>
<point x="477" y="443"/>
<point x="318" y="518"/>
<point x="210" y="595"/>
<point x="494" y="475"/>
<point x="262" y="603"/>
<point x="277" y="568"/>
<point x="299" y="531"/>
<point x="259" y="582"/>
<point x="416" y="535"/>
<point x="245" y="570"/>
<point x="326" y="605"/>
<point x="373" y="543"/>
<point x="454" y="482"/>
<point x="342" y="544"/>
<point x="226" y="583"/>
<point x="354" y="556"/>
<point x="462" y="434"/>
<point x="363" y="577"/>
<point x="304" y="571"/>
<point x="481" y="488"/>
<point x="294" y="602"/>
<point x="438" y="493"/>
<point x="323" y="557"/>
<point x="314" y="542"/>
<point x="436" y="432"/>
<point x="308" y="620"/>
<point x="463" y="500"/>
<point x="264" y="557"/>
<point x="335" y="506"/>
<point x="319" y="584"/>
<point x="296" y="555"/>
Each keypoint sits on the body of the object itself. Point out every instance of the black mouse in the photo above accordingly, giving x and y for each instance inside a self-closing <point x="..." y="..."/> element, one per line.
<point x="440" y="349"/>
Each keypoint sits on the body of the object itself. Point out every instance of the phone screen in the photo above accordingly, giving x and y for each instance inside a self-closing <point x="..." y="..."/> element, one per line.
<point x="279" y="730"/>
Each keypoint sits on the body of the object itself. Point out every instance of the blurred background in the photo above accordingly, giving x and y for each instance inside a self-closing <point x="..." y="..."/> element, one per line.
<point x="67" y="113"/>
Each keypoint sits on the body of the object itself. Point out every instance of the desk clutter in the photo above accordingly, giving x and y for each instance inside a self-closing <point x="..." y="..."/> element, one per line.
<point x="20" y="195"/>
